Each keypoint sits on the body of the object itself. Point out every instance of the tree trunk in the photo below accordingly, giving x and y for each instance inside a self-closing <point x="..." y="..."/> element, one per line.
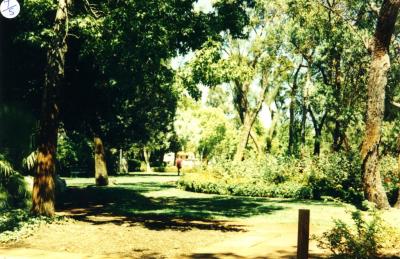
<point x="147" y="154"/>
<point x="100" y="167"/>
<point x="317" y="142"/>
<point x="397" y="205"/>
<point x="318" y="130"/>
<point x="292" y="146"/>
<point x="377" y="79"/>
<point x="244" y="138"/>
<point x="43" y="198"/>
<point x="271" y="131"/>
<point x="336" y="137"/>
<point x="256" y="144"/>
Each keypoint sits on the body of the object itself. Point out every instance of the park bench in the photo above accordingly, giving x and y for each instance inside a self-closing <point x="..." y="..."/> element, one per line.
<point x="78" y="171"/>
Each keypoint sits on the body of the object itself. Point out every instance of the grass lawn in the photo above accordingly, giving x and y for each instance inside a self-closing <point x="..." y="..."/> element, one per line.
<point x="147" y="215"/>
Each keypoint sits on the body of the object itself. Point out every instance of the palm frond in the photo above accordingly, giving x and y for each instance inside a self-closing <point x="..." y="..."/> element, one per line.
<point x="30" y="160"/>
<point x="5" y="167"/>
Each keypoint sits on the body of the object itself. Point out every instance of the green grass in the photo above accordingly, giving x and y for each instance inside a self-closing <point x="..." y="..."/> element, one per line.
<point x="154" y="202"/>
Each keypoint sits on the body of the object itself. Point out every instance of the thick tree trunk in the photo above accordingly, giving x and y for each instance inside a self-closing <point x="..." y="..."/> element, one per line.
<point x="377" y="79"/>
<point x="43" y="185"/>
<point x="146" y="155"/>
<point x="100" y="166"/>
<point x="244" y="138"/>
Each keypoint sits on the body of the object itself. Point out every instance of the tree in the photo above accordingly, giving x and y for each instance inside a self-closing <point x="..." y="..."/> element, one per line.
<point x="253" y="67"/>
<point x="330" y="37"/>
<point x="377" y="80"/>
<point x="101" y="174"/>
<point x="43" y="185"/>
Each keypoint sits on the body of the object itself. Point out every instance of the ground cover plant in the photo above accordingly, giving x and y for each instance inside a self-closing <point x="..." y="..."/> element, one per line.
<point x="335" y="176"/>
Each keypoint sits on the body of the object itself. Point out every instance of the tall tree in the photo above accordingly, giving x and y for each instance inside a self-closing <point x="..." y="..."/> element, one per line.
<point x="377" y="80"/>
<point x="43" y="186"/>
<point x="253" y="66"/>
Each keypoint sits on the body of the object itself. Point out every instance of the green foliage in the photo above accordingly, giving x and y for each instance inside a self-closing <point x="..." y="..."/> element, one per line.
<point x="197" y="182"/>
<point x="5" y="168"/>
<point x="13" y="188"/>
<point x="73" y="151"/>
<point x="389" y="168"/>
<point x="17" y="224"/>
<point x="270" y="177"/>
<point x="337" y="175"/>
<point x="361" y="240"/>
<point x="205" y="130"/>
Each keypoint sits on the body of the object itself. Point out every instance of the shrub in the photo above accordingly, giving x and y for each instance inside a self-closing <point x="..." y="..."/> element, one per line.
<point x="337" y="175"/>
<point x="13" y="188"/>
<point x="207" y="182"/>
<point x="364" y="239"/>
<point x="134" y="165"/>
<point x="391" y="176"/>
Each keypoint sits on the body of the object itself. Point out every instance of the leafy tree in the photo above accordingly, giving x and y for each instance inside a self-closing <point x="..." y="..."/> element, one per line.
<point x="323" y="33"/>
<point x="249" y="66"/>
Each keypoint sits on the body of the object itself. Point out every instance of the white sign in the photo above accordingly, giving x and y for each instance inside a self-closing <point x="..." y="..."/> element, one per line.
<point x="9" y="8"/>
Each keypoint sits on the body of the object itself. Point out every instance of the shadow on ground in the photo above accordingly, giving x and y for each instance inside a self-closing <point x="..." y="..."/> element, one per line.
<point x="127" y="205"/>
<point x="280" y="254"/>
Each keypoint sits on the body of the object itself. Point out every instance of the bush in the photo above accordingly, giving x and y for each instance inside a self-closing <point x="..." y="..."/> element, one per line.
<point x="364" y="239"/>
<point x="337" y="175"/>
<point x="134" y="165"/>
<point x="391" y="177"/>
<point x="14" y="192"/>
<point x="13" y="188"/>
<point x="208" y="183"/>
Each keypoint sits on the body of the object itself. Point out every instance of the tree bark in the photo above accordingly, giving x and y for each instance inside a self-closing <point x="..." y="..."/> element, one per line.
<point x="318" y="131"/>
<point x="397" y="204"/>
<point x="100" y="166"/>
<point x="43" y="198"/>
<point x="292" y="122"/>
<point x="377" y="80"/>
<point x="146" y="154"/>
<point x="255" y="142"/>
<point x="247" y="115"/>
<point x="244" y="138"/>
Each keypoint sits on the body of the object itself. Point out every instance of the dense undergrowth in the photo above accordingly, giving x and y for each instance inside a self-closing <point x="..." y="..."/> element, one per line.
<point x="337" y="176"/>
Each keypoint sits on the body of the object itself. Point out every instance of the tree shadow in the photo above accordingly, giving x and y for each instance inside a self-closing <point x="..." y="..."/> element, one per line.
<point x="126" y="205"/>
<point x="311" y="202"/>
<point x="280" y="254"/>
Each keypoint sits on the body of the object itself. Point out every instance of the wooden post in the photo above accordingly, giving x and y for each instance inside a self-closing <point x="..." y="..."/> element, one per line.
<point x="303" y="234"/>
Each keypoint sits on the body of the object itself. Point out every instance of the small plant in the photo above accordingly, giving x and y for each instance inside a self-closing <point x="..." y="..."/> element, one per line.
<point x="362" y="240"/>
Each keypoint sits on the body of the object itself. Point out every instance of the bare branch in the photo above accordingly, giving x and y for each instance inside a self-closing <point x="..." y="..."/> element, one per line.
<point x="89" y="8"/>
<point x="395" y="104"/>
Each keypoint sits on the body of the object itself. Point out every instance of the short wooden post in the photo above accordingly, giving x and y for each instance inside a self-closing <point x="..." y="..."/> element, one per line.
<point x="303" y="234"/>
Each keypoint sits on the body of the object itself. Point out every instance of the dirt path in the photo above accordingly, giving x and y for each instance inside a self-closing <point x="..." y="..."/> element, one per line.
<point x="147" y="217"/>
